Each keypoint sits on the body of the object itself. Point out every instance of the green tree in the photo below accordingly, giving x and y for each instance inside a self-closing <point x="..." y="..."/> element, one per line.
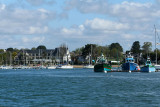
<point x="10" y="49"/>
<point x="63" y="49"/>
<point x="33" y="48"/>
<point x="78" y="51"/>
<point x="147" y="47"/>
<point x="113" y="52"/>
<point x="87" y="49"/>
<point x="116" y="46"/>
<point x="14" y="54"/>
<point x="41" y="47"/>
<point x="136" y="48"/>
<point x="1" y="50"/>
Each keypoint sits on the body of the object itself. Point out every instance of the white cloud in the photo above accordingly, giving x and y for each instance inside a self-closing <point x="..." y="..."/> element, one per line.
<point x="125" y="11"/>
<point x="88" y="6"/>
<point x="101" y="24"/>
<point x="2" y="6"/>
<point x="95" y="30"/>
<point x="37" y="40"/>
<point x="39" y="30"/>
<point x="74" y="31"/>
<point x="132" y="12"/>
<point x="128" y="20"/>
<point x="23" y="21"/>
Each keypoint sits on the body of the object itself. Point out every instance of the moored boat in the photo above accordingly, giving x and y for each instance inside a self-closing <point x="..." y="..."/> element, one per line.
<point x="64" y="67"/>
<point x="6" y="67"/>
<point x="148" y="66"/>
<point x="51" y="67"/>
<point x="130" y="65"/>
<point x="157" y="67"/>
<point x="102" y="65"/>
<point x="89" y="66"/>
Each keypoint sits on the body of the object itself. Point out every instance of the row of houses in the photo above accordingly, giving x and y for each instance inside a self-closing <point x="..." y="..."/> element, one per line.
<point x="43" y="56"/>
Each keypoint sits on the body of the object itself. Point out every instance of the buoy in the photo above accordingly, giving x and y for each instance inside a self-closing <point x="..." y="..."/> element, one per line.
<point x="129" y="71"/>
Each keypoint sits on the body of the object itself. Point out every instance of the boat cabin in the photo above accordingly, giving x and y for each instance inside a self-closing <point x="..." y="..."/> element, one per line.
<point x="101" y="59"/>
<point x="130" y="59"/>
<point x="148" y="62"/>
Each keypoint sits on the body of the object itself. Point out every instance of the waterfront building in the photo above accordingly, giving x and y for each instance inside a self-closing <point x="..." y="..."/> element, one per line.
<point x="42" y="56"/>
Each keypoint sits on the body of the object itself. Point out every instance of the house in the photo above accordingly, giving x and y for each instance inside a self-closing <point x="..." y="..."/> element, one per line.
<point x="42" y="56"/>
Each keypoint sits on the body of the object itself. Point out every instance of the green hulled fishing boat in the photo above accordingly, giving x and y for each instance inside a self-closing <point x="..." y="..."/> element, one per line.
<point x="102" y="65"/>
<point x="148" y="66"/>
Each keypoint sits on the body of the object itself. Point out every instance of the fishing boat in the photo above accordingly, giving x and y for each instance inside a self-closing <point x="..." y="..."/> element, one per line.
<point x="148" y="66"/>
<point x="102" y="65"/>
<point x="130" y="65"/>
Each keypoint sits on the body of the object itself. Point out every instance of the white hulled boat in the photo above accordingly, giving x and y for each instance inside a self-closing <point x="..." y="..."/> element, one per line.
<point x="90" y="61"/>
<point x="157" y="67"/>
<point x="64" y="67"/>
<point x="6" y="67"/>
<point x="89" y="66"/>
<point x="51" y="67"/>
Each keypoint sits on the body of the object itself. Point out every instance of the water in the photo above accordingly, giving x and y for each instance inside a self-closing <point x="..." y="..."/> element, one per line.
<point x="78" y="87"/>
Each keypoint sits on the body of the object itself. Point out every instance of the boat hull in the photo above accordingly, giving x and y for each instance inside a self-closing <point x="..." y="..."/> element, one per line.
<point x="51" y="67"/>
<point x="65" y="67"/>
<point x="148" y="69"/>
<point x="157" y="67"/>
<point x="102" y="68"/>
<point x="130" y="67"/>
<point x="89" y="67"/>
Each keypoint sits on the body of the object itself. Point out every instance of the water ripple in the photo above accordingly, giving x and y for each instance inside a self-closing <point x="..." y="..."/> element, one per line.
<point x="78" y="88"/>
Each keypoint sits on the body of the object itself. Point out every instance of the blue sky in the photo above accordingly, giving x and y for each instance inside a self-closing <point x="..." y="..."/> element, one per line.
<point x="29" y="23"/>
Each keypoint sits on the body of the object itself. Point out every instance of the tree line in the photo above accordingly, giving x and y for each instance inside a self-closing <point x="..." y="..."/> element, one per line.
<point x="7" y="55"/>
<point x="114" y="51"/>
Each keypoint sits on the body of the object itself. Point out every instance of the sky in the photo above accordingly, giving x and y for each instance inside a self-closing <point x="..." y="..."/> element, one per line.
<point x="30" y="23"/>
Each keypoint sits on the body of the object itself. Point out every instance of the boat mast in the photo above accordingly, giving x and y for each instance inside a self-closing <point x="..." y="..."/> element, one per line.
<point x="155" y="42"/>
<point x="91" y="54"/>
<point x="23" y="58"/>
<point x="67" y="54"/>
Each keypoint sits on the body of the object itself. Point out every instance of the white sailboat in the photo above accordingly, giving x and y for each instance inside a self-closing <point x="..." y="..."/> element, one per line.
<point x="64" y="67"/>
<point x="6" y="67"/>
<point x="90" y="61"/>
<point x="156" y="65"/>
<point x="89" y="65"/>
<point x="51" y="66"/>
<point x="67" y="65"/>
